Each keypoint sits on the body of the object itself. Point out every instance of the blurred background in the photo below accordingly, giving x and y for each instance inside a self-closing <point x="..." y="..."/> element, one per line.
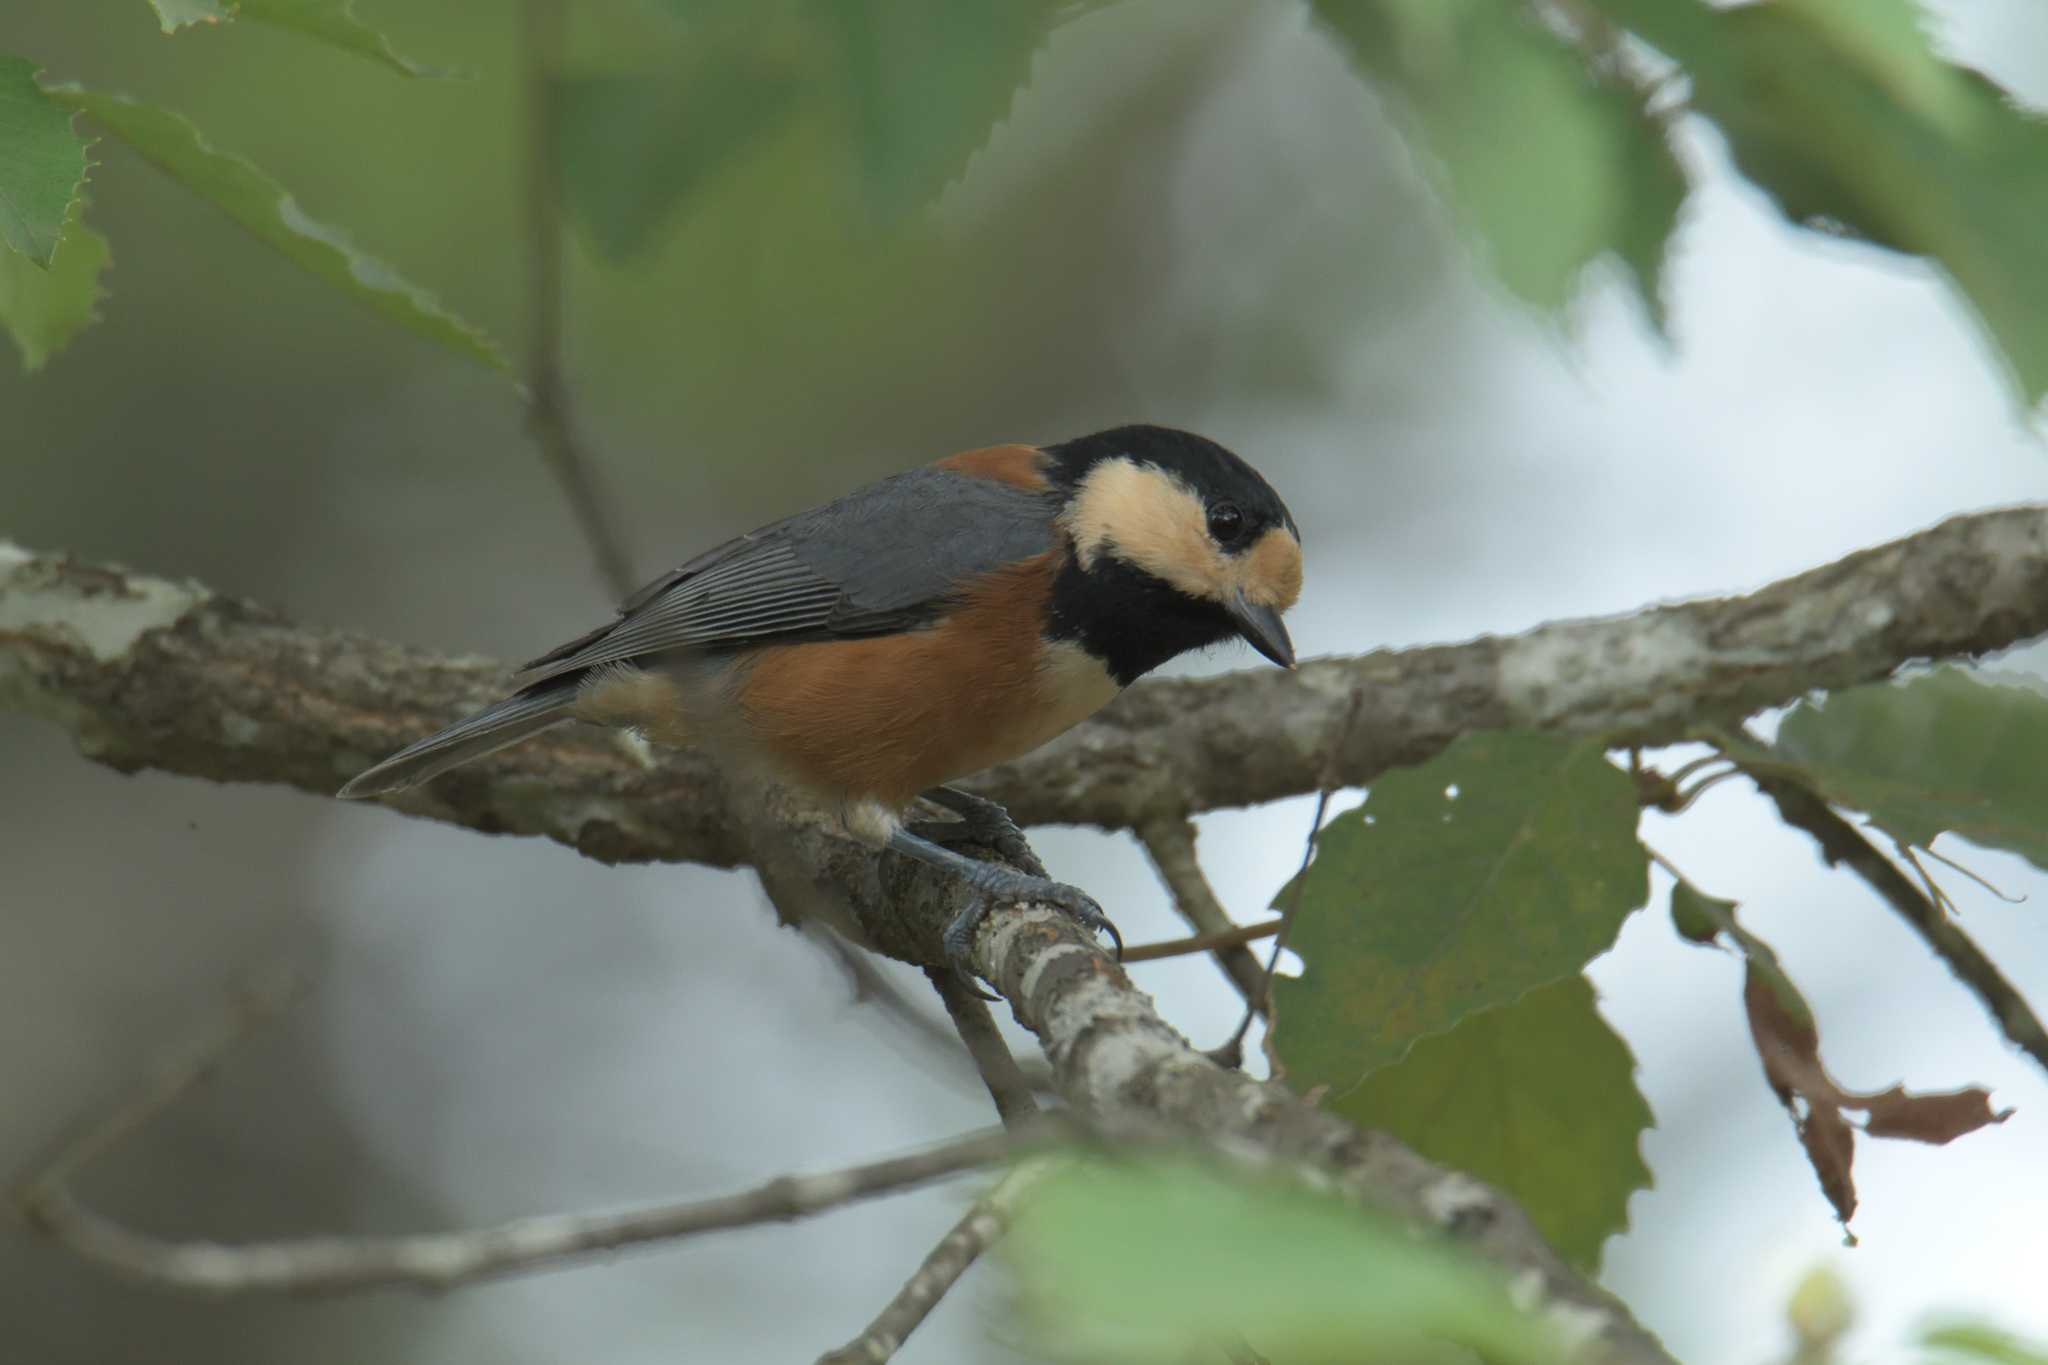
<point x="1193" y="214"/>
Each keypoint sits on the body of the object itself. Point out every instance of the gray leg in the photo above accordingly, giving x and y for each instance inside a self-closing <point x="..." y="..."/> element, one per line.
<point x="981" y="821"/>
<point x="998" y="885"/>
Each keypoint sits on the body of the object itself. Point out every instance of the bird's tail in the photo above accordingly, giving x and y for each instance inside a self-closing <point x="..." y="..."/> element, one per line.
<point x="493" y="728"/>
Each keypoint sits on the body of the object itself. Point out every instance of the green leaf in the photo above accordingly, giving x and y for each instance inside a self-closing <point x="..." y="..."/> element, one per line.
<point x="1842" y="112"/>
<point x="45" y="309"/>
<point x="926" y="81"/>
<point x="42" y="164"/>
<point x="176" y="14"/>
<point x="1704" y="919"/>
<point x="1423" y="907"/>
<point x="263" y="207"/>
<point x="1976" y="1341"/>
<point x="1537" y="1097"/>
<point x="1944" y="751"/>
<point x="1142" y="1263"/>
<point x="334" y="23"/>
<point x="1550" y="165"/>
<point x="630" y="149"/>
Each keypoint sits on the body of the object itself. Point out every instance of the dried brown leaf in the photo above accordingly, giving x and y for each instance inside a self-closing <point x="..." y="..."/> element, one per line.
<point x="1789" y="1048"/>
<point x="1937" y="1118"/>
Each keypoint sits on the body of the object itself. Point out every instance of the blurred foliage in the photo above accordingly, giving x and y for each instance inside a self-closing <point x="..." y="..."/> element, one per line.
<point x="1843" y="113"/>
<point x="1551" y="160"/>
<point x="1547" y="127"/>
<point x="1950" y="751"/>
<point x="1505" y="863"/>
<point x="1165" y="1261"/>
<point x="271" y="215"/>
<point x="1537" y="1097"/>
<point x="1980" y="1343"/>
<point x="45" y="308"/>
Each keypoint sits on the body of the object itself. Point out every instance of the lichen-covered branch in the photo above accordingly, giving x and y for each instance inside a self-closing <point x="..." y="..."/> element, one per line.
<point x="151" y="674"/>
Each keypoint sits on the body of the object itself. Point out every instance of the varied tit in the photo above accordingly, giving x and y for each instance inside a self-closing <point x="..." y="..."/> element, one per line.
<point x="923" y="628"/>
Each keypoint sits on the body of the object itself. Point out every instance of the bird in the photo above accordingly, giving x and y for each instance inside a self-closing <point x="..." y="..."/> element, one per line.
<point x="873" y="650"/>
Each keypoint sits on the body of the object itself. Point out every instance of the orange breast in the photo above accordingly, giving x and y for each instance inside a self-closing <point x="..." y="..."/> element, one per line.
<point x="889" y="717"/>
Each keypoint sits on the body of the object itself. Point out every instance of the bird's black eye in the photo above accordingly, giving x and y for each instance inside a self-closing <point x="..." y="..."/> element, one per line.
<point x="1226" y="523"/>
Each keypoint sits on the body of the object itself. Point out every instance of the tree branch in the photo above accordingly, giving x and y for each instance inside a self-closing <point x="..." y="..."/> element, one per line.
<point x="432" y="1260"/>
<point x="147" y="673"/>
<point x="1125" y="1069"/>
<point x="975" y="1233"/>
<point x="1005" y="1080"/>
<point x="1841" y="843"/>
<point x="151" y="674"/>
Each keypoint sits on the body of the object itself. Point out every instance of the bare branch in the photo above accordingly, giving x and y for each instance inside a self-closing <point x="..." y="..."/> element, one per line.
<point x="251" y="1005"/>
<point x="428" y="1261"/>
<point x="548" y="415"/>
<point x="1124" y="1068"/>
<point x="1006" y="1082"/>
<point x="444" y="1260"/>
<point x="975" y="1233"/>
<point x="1841" y="843"/>
<point x="1171" y="844"/>
<point x="870" y="986"/>
<point x="151" y="674"/>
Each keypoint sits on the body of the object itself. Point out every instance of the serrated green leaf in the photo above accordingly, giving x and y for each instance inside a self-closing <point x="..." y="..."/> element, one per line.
<point x="1842" y="112"/>
<point x="334" y="23"/>
<point x="45" y="309"/>
<point x="263" y="207"/>
<point x="331" y="22"/>
<point x="42" y="164"/>
<point x="1550" y="166"/>
<point x="1422" y="907"/>
<point x="1143" y="1263"/>
<point x="1945" y="751"/>
<point x="925" y="82"/>
<point x="631" y="148"/>
<point x="176" y="14"/>
<point x="1537" y="1097"/>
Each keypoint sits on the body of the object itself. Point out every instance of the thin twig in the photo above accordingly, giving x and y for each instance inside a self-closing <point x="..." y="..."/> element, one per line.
<point x="444" y="1260"/>
<point x="1170" y="842"/>
<point x="432" y="1260"/>
<point x="1234" y="1049"/>
<point x="549" y="418"/>
<point x="251" y="1005"/>
<point x="941" y="1270"/>
<point x="1841" y="843"/>
<point x="1201" y="943"/>
<point x="1006" y="1082"/>
<point x="871" y="986"/>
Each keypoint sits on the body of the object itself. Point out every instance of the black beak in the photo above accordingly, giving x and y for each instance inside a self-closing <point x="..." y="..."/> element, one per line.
<point x="1262" y="629"/>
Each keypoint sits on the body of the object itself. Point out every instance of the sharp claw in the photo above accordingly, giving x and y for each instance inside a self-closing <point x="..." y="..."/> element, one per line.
<point x="973" y="984"/>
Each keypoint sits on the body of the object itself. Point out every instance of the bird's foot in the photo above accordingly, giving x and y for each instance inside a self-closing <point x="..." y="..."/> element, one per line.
<point x="1004" y="886"/>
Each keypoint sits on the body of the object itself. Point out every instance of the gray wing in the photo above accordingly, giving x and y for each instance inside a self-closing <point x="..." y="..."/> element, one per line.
<point x="883" y="558"/>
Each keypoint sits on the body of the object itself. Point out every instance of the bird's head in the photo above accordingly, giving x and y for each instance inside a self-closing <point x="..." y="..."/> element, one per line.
<point x="1180" y="537"/>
